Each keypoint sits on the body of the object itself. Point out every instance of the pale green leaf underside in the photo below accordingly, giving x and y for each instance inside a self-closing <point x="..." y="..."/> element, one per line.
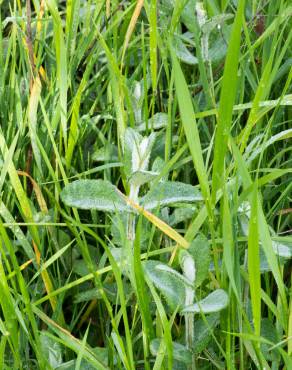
<point x="282" y="250"/>
<point x="203" y="330"/>
<point x="167" y="193"/>
<point x="200" y="250"/>
<point x="159" y="120"/>
<point x="102" y="195"/>
<point x="214" y="302"/>
<point x="108" y="152"/>
<point x="174" y="273"/>
<point x="170" y="286"/>
<point x="218" y="20"/>
<point x="93" y="194"/>
<point x="141" y="177"/>
<point x="183" y="53"/>
<point x="180" y="352"/>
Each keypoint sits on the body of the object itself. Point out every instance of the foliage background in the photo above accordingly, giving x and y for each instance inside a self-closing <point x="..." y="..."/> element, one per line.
<point x="74" y="75"/>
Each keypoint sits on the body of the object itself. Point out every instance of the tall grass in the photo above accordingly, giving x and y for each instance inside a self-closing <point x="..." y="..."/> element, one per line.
<point x="201" y="92"/>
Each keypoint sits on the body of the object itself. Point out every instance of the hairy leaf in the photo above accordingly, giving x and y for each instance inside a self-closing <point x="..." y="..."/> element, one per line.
<point x="180" y="352"/>
<point x="183" y="53"/>
<point x="170" y="286"/>
<point x="282" y="250"/>
<point x="132" y="139"/>
<point x="167" y="193"/>
<point x="157" y="121"/>
<point x="202" y="331"/>
<point x="137" y="151"/>
<point x="200" y="250"/>
<point x="214" y="302"/>
<point x="181" y="214"/>
<point x="141" y="177"/>
<point x="93" y="194"/>
<point x="52" y="350"/>
<point x="108" y="152"/>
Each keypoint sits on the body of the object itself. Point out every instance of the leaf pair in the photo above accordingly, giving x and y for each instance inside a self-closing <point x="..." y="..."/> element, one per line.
<point x="104" y="196"/>
<point x="175" y="287"/>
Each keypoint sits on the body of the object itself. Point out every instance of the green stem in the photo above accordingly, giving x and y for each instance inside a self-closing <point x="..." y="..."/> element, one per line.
<point x="189" y="323"/>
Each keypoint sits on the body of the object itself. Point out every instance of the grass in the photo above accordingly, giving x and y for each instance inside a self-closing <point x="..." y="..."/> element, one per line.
<point x="179" y="257"/>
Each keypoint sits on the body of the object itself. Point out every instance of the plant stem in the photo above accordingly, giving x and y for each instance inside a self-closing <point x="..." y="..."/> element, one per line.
<point x="189" y="326"/>
<point x="134" y="191"/>
<point x="189" y="323"/>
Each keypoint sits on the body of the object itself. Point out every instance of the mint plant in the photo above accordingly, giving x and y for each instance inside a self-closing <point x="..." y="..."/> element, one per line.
<point x="131" y="282"/>
<point x="177" y="288"/>
<point x="103" y="196"/>
<point x="179" y="291"/>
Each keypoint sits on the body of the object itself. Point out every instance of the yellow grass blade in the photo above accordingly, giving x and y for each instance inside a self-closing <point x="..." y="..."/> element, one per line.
<point x="43" y="206"/>
<point x="164" y="227"/>
<point x="131" y="27"/>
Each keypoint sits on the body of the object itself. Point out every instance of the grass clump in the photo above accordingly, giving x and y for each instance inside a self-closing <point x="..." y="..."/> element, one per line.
<point x="145" y="214"/>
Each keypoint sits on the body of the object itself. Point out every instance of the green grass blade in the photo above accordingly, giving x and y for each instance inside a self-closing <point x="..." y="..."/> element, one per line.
<point x="61" y="59"/>
<point x="153" y="43"/>
<point x="264" y="233"/>
<point x="227" y="100"/>
<point x="228" y="245"/>
<point x="142" y="294"/>
<point x="254" y="262"/>
<point x="190" y="126"/>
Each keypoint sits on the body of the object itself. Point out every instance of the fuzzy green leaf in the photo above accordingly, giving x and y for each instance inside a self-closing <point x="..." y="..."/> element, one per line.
<point x="167" y="193"/>
<point x="282" y="250"/>
<point x="214" y="302"/>
<point x="93" y="194"/>
<point x="180" y="352"/>
<point x="137" y="151"/>
<point x="182" y="214"/>
<point x="132" y="139"/>
<point x="141" y="177"/>
<point x="170" y="286"/>
<point x="203" y="331"/>
<point x="183" y="53"/>
<point x="109" y="152"/>
<point x="52" y="349"/>
<point x="215" y="21"/>
<point x="200" y="250"/>
<point x="157" y="121"/>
